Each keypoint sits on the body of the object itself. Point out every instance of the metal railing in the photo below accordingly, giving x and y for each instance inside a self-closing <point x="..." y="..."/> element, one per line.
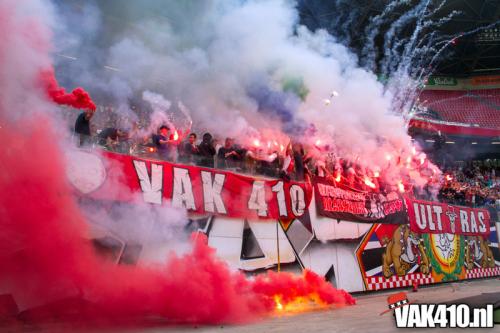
<point x="148" y="150"/>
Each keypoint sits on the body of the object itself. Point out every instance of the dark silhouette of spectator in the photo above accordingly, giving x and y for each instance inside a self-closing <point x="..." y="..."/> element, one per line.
<point x="298" y="156"/>
<point x="82" y="126"/>
<point x="228" y="156"/>
<point x="110" y="136"/>
<point x="206" y="150"/>
<point x="188" y="151"/>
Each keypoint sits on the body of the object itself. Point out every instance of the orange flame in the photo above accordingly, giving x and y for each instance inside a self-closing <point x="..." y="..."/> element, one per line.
<point x="277" y="300"/>
<point x="299" y="304"/>
<point x="401" y="187"/>
<point x="176" y="135"/>
<point x="299" y="295"/>
<point x="256" y="143"/>
<point x="337" y="179"/>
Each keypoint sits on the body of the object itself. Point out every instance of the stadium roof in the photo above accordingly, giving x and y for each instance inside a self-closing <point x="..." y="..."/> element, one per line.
<point x="473" y="54"/>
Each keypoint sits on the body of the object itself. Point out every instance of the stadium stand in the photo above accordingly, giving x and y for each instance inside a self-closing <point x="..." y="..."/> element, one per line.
<point x="478" y="107"/>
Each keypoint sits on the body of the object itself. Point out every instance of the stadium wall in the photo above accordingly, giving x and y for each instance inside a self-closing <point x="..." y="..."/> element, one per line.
<point x="355" y="256"/>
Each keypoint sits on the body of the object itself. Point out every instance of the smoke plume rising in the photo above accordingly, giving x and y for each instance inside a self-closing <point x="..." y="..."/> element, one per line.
<point x="78" y="98"/>
<point x="247" y="70"/>
<point x="47" y="263"/>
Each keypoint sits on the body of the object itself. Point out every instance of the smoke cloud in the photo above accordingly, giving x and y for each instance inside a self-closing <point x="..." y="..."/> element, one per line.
<point x="78" y="98"/>
<point x="47" y="263"/>
<point x="247" y="70"/>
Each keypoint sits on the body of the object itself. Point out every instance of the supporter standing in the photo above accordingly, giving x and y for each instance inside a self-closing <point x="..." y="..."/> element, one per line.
<point x="228" y="156"/>
<point x="163" y="143"/>
<point x="206" y="151"/>
<point x="188" y="150"/>
<point x="298" y="157"/>
<point x="82" y="126"/>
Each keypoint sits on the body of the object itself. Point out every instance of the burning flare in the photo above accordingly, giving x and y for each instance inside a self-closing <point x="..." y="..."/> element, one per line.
<point x="337" y="179"/>
<point x="290" y="293"/>
<point x="277" y="300"/>
<point x="369" y="183"/>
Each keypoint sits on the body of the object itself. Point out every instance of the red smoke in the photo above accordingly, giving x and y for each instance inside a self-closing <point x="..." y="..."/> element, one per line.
<point x="78" y="98"/>
<point x="44" y="255"/>
<point x="47" y="263"/>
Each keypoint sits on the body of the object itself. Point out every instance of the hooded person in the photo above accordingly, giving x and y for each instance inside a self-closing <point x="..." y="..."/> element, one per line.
<point x="206" y="151"/>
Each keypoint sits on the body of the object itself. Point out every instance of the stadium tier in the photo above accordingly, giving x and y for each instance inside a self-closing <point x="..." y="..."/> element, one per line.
<point x="476" y="107"/>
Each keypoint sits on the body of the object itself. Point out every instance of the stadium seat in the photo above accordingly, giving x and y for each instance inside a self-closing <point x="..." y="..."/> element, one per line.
<point x="479" y="107"/>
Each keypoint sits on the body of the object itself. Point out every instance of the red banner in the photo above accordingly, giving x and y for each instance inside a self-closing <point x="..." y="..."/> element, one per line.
<point x="345" y="204"/>
<point x="199" y="190"/>
<point x="437" y="218"/>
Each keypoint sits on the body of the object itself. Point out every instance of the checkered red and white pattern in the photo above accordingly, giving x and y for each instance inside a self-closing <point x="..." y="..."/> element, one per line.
<point x="477" y="273"/>
<point x="380" y="282"/>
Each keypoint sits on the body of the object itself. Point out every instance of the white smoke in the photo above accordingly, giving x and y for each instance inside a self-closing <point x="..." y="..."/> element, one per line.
<point x="227" y="61"/>
<point x="157" y="230"/>
<point x="160" y="107"/>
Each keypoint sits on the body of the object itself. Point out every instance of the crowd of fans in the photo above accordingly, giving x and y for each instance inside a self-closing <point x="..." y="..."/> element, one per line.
<point x="475" y="185"/>
<point x="290" y="162"/>
<point x="208" y="152"/>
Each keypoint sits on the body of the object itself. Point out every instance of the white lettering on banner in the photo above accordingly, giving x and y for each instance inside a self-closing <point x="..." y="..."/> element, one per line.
<point x="212" y="192"/>
<point x="280" y="196"/>
<point x="297" y="198"/>
<point x="257" y="199"/>
<point x="182" y="195"/>
<point x="438" y="211"/>
<point x="464" y="221"/>
<point x="152" y="188"/>
<point x="482" y="227"/>
<point x="421" y="223"/>
<point x="422" y="215"/>
<point x="432" y="226"/>
<point x="473" y="223"/>
<point x="429" y="218"/>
